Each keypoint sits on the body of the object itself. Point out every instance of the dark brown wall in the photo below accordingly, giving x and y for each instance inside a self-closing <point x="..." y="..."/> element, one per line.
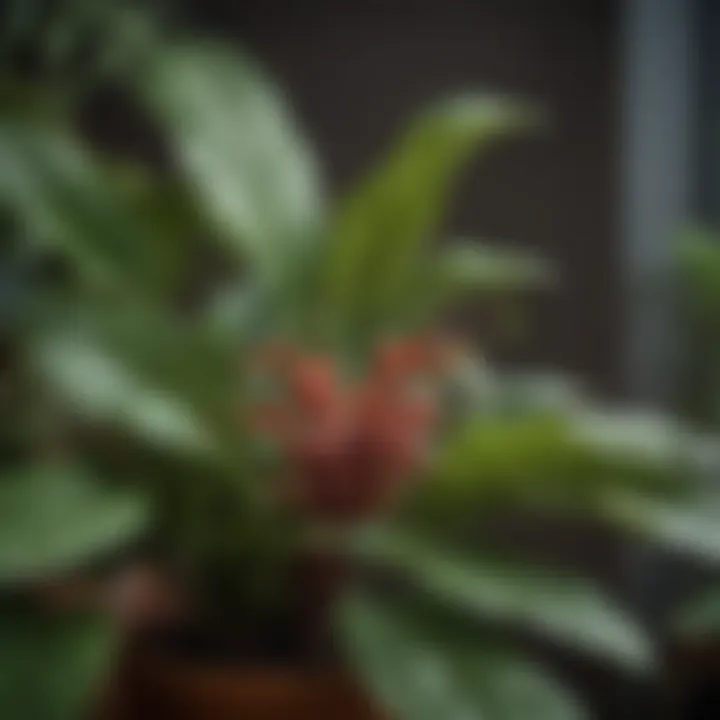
<point x="356" y="68"/>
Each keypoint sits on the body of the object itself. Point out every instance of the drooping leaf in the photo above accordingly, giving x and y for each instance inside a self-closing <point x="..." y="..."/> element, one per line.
<point x="689" y="527"/>
<point x="504" y="450"/>
<point x="630" y="436"/>
<point x="484" y="392"/>
<point x="568" y="610"/>
<point x="51" y="666"/>
<point x="54" y="519"/>
<point x="528" y="460"/>
<point x="101" y="386"/>
<point x="560" y="451"/>
<point x="382" y="229"/>
<point x="422" y="671"/>
<point x="172" y="380"/>
<point x="234" y="137"/>
<point x="66" y="202"/>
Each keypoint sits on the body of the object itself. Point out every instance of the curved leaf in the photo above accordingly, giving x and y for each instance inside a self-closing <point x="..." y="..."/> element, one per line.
<point x="66" y="201"/>
<point x="465" y="267"/>
<point x="54" y="519"/>
<point x="419" y="671"/>
<point x="566" y="609"/>
<point x="100" y="385"/>
<point x="234" y="136"/>
<point x="635" y="437"/>
<point x="378" y="238"/>
<point x="544" y="444"/>
<point x="692" y="529"/>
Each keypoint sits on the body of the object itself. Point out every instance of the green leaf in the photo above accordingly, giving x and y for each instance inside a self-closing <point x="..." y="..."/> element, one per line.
<point x="165" y="209"/>
<point x="423" y="671"/>
<point x="52" y="667"/>
<point x="102" y="386"/>
<point x="67" y="202"/>
<point x="570" y="611"/>
<point x="54" y="519"/>
<point x="498" y="449"/>
<point x="556" y="451"/>
<point x="233" y="134"/>
<point x="462" y="269"/>
<point x="171" y="380"/>
<point x="628" y="436"/>
<point x="525" y="459"/>
<point x="690" y="528"/>
<point x="485" y="393"/>
<point x="471" y="267"/>
<point x="379" y="237"/>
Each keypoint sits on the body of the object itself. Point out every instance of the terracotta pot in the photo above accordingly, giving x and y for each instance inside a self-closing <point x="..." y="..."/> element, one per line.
<point x="154" y="685"/>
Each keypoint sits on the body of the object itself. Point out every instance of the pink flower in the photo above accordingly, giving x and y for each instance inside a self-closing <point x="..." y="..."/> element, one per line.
<point x="352" y="448"/>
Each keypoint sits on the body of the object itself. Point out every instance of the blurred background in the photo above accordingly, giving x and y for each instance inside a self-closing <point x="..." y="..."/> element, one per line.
<point x="629" y="158"/>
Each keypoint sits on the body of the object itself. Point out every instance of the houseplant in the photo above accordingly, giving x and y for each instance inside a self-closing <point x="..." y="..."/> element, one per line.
<point x="59" y="518"/>
<point x="314" y="448"/>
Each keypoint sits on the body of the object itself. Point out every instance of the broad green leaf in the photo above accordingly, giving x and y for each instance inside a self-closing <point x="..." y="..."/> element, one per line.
<point x="66" y="202"/>
<point x="171" y="380"/>
<point x="568" y="610"/>
<point x="526" y="458"/>
<point x="53" y="519"/>
<point x="423" y="671"/>
<point x="52" y="667"/>
<point x="461" y="269"/>
<point x="380" y="235"/>
<point x="484" y="392"/>
<point x="499" y="449"/>
<point x="102" y="386"/>
<point x="690" y="528"/>
<point x="560" y="452"/>
<point x="235" y="138"/>
<point x="631" y="436"/>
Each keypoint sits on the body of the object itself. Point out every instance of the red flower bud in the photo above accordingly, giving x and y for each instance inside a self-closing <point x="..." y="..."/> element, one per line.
<point x="351" y="451"/>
